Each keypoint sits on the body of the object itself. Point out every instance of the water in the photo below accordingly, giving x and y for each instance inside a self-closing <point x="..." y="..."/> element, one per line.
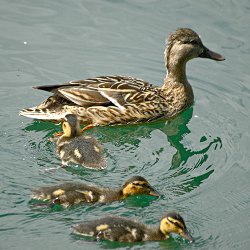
<point x="199" y="161"/>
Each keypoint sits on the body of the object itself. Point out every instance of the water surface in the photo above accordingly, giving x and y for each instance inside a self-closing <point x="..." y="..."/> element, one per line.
<point x="199" y="161"/>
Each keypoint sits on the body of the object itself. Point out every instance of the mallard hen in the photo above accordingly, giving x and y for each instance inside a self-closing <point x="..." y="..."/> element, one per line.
<point x="111" y="99"/>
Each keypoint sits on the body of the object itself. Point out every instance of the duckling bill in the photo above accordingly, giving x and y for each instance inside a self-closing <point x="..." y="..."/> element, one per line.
<point x="74" y="147"/>
<point x="68" y="193"/>
<point x="126" y="230"/>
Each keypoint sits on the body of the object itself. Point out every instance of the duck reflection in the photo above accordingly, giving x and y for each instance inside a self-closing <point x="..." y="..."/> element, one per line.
<point x="175" y="130"/>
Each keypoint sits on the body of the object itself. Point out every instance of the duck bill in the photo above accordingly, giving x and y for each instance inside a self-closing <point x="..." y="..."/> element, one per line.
<point x="153" y="192"/>
<point x="211" y="55"/>
<point x="187" y="236"/>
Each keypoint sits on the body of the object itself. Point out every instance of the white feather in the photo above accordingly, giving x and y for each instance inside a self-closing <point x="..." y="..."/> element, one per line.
<point x="113" y="100"/>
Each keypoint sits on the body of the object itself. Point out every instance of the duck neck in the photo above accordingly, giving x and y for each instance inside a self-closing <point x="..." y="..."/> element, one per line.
<point x="156" y="234"/>
<point x="177" y="73"/>
<point x="121" y="195"/>
<point x="116" y="194"/>
<point x="176" y="88"/>
<point x="111" y="195"/>
<point x="175" y="62"/>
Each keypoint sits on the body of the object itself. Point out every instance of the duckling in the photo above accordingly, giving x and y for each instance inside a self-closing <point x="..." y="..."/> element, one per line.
<point x="79" y="149"/>
<point x="113" y="99"/>
<point x="68" y="193"/>
<point x="121" y="229"/>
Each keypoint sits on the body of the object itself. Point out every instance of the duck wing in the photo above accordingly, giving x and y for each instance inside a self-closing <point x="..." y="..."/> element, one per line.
<point x="68" y="192"/>
<point x="105" y="91"/>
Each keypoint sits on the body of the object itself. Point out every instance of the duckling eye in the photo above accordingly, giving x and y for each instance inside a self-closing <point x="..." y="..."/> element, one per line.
<point x="194" y="42"/>
<point x="141" y="184"/>
<point x="136" y="184"/>
<point x="178" y="225"/>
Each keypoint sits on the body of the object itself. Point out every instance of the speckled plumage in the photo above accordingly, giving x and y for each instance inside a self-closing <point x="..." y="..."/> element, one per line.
<point x="74" y="147"/>
<point x="121" y="99"/>
<point x="122" y="229"/>
<point x="70" y="193"/>
<point x="82" y="150"/>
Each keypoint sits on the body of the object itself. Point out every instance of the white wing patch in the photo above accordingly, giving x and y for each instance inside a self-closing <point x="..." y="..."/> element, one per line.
<point x="77" y="153"/>
<point x="113" y="100"/>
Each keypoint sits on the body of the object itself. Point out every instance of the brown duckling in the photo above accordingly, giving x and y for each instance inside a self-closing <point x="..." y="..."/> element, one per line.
<point x="119" y="99"/>
<point x="126" y="230"/>
<point x="74" y="147"/>
<point x="71" y="193"/>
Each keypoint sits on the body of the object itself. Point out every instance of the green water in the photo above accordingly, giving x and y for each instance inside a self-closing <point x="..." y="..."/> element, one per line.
<point x="199" y="161"/>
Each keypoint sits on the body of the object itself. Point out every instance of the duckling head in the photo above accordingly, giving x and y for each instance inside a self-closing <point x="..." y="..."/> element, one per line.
<point x="138" y="185"/>
<point x="71" y="126"/>
<point x="173" y="223"/>
<point x="183" y="45"/>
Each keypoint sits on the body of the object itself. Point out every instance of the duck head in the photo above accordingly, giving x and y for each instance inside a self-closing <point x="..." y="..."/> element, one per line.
<point x="71" y="126"/>
<point x="174" y="223"/>
<point x="183" y="45"/>
<point x="138" y="185"/>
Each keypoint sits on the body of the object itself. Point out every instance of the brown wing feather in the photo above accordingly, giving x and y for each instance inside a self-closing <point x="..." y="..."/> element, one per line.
<point x="104" y="91"/>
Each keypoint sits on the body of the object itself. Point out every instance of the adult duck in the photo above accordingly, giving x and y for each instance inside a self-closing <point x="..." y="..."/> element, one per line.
<point x="108" y="100"/>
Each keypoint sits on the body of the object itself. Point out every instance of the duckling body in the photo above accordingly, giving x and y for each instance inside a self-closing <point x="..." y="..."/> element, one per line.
<point x="121" y="99"/>
<point x="122" y="229"/>
<point x="79" y="149"/>
<point x="71" y="193"/>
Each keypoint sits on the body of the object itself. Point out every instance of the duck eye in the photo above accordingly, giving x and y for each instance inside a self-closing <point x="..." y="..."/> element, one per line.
<point x="136" y="184"/>
<point x="194" y="42"/>
<point x="145" y="185"/>
<point x="178" y="225"/>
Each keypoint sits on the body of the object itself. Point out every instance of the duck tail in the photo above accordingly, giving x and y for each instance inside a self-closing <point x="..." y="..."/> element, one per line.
<point x="48" y="110"/>
<point x="49" y="88"/>
<point x="42" y="114"/>
<point x="53" y="88"/>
